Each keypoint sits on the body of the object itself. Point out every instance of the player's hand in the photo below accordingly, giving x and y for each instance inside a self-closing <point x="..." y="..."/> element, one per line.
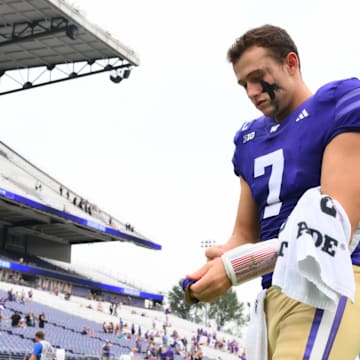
<point x="212" y="281"/>
<point x="215" y="251"/>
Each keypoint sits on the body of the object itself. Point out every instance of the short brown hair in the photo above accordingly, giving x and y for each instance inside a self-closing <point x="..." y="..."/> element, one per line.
<point x="40" y="334"/>
<point x="271" y="37"/>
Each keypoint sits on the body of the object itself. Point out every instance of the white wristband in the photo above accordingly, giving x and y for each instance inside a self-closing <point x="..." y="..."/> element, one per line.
<point x="249" y="261"/>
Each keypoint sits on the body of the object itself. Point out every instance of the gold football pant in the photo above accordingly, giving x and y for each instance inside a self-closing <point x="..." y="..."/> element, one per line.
<point x="300" y="332"/>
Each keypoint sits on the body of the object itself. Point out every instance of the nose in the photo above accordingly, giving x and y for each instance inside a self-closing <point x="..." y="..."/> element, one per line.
<point x="253" y="89"/>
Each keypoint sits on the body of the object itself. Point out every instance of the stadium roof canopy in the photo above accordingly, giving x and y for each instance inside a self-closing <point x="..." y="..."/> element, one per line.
<point x="48" y="41"/>
<point x="34" y="219"/>
<point x="48" y="214"/>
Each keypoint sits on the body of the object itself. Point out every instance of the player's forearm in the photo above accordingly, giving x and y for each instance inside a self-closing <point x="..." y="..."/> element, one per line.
<point x="238" y="238"/>
<point x="241" y="237"/>
<point x="246" y="226"/>
<point x="246" y="262"/>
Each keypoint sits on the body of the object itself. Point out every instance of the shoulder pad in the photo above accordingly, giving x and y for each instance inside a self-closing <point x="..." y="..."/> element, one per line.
<point x="336" y="89"/>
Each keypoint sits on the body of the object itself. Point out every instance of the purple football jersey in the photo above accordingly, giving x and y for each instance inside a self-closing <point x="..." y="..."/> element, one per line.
<point x="280" y="161"/>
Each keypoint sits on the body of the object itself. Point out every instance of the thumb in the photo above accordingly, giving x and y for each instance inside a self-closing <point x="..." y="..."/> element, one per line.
<point x="214" y="252"/>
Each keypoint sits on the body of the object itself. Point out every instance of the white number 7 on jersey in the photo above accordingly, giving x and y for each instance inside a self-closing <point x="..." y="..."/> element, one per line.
<point x="274" y="159"/>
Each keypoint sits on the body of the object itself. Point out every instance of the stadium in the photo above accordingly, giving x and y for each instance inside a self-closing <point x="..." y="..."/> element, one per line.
<point x="42" y="218"/>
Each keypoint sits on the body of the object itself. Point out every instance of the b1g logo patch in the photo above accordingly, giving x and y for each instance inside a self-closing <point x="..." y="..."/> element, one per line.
<point x="248" y="137"/>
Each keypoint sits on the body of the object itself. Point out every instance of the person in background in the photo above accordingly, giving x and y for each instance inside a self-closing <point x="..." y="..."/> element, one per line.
<point x="41" y="320"/>
<point x="15" y="319"/>
<point x="106" y="352"/>
<point x="42" y="349"/>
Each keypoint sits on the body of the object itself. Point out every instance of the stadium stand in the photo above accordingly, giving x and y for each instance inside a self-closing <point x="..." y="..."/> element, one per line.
<point x="26" y="195"/>
<point x="67" y="319"/>
<point x="89" y="273"/>
<point x="21" y="177"/>
<point x="43" y="274"/>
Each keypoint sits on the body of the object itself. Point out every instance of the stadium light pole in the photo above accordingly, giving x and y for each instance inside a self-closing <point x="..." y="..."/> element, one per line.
<point x="207" y="244"/>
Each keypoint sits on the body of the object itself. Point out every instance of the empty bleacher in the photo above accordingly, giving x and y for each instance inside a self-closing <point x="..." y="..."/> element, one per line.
<point x="66" y="319"/>
<point x="63" y="330"/>
<point x="89" y="273"/>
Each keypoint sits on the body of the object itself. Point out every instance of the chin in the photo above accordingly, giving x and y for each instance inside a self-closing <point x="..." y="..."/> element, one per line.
<point x="272" y="112"/>
<point x="269" y="113"/>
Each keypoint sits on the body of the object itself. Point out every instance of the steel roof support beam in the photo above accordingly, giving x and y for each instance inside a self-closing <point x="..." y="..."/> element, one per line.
<point x="121" y="71"/>
<point x="31" y="30"/>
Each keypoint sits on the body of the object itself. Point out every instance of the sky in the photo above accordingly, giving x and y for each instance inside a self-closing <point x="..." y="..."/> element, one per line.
<point x="155" y="150"/>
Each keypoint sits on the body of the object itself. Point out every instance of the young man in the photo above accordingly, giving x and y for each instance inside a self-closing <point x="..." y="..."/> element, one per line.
<point x="42" y="348"/>
<point x="41" y="320"/>
<point x="106" y="352"/>
<point x="303" y="140"/>
<point x="15" y="319"/>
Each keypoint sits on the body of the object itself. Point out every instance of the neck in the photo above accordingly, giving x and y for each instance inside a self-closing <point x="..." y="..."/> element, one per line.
<point x="302" y="94"/>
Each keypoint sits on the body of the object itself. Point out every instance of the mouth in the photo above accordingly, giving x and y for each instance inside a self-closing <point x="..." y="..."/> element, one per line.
<point x="259" y="104"/>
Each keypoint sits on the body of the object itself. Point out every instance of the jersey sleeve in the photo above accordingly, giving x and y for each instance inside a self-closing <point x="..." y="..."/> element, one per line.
<point x="37" y="349"/>
<point x="240" y="139"/>
<point x="237" y="154"/>
<point x="346" y="116"/>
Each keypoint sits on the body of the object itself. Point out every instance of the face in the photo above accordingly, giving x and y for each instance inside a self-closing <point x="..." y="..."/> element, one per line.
<point x="267" y="82"/>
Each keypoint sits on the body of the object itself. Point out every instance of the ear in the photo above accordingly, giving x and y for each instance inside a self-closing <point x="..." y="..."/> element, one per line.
<point x="292" y="63"/>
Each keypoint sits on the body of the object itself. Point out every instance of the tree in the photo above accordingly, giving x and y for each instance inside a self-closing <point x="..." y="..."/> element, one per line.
<point x="180" y="307"/>
<point x="227" y="308"/>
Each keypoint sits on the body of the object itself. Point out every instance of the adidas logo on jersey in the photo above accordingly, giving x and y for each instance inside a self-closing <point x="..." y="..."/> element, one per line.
<point x="304" y="114"/>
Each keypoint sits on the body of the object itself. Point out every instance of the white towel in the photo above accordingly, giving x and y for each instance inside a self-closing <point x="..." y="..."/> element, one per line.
<point x="256" y="335"/>
<point x="314" y="264"/>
